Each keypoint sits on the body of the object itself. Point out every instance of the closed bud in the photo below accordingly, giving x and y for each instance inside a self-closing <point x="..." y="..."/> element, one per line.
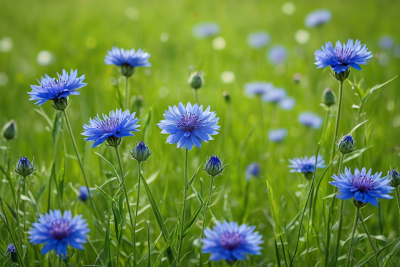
<point x="346" y="144"/>
<point x="24" y="167"/>
<point x="328" y="97"/>
<point x="340" y="76"/>
<point x="141" y="152"/>
<point x="113" y="141"/>
<point x="61" y="104"/>
<point x="127" y="70"/>
<point x="214" y="166"/>
<point x="13" y="253"/>
<point x="226" y="96"/>
<point x="83" y="193"/>
<point x="10" y="130"/>
<point x="196" y="80"/>
<point x="394" y="177"/>
<point x="359" y="204"/>
<point x="296" y="78"/>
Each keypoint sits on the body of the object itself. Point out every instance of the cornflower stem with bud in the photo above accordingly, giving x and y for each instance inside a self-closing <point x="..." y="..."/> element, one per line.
<point x="127" y="102"/>
<point x="210" y="191"/>
<point x="126" y="193"/>
<point x="349" y="255"/>
<point x="184" y="206"/>
<point x="24" y="190"/>
<point x="80" y="163"/>
<point x="340" y="226"/>
<point x="136" y="214"/>
<point x="18" y="222"/>
<point x="369" y="236"/>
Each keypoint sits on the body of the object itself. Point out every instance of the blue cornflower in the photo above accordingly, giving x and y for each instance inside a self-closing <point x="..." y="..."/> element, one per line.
<point x="214" y="166"/>
<point x="53" y="89"/>
<point x="277" y="54"/>
<point x="11" y="248"/>
<point x="306" y="165"/>
<point x="189" y="125"/>
<point x="141" y="152"/>
<point x="277" y="135"/>
<point x="258" y="88"/>
<point x="386" y="42"/>
<point x="24" y="167"/>
<point x="252" y="170"/>
<point x="274" y="95"/>
<point x="83" y="193"/>
<point x="258" y="39"/>
<point x="111" y="128"/>
<point x="317" y="18"/>
<point x="13" y="253"/>
<point x="58" y="231"/>
<point x="362" y="186"/>
<point x="133" y="58"/>
<point x="288" y="103"/>
<point x="310" y="119"/>
<point x="206" y="29"/>
<point x="231" y="242"/>
<point x="342" y="57"/>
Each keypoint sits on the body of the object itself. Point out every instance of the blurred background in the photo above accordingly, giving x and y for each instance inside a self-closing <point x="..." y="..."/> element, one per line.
<point x="45" y="37"/>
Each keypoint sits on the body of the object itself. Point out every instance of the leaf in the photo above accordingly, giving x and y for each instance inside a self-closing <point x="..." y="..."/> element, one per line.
<point x="61" y="176"/>
<point x="227" y="208"/>
<point x="198" y="195"/>
<point x="365" y="259"/>
<point x="388" y="259"/>
<point x="112" y="167"/>
<point x="355" y="128"/>
<point x="56" y="125"/>
<point x="380" y="85"/>
<point x="354" y="154"/>
<point x="144" y="258"/>
<point x="377" y="253"/>
<point x="107" y="241"/>
<point x="147" y="124"/>
<point x="194" y="176"/>
<point x="105" y="195"/>
<point x="44" y="115"/>
<point x="273" y="207"/>
<point x="192" y="220"/>
<point x="153" y="177"/>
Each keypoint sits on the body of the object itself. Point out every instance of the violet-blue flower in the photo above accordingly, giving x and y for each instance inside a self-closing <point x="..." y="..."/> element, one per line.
<point x="317" y="18"/>
<point x="231" y="242"/>
<point x="277" y="54"/>
<point x="252" y="170"/>
<point x="133" y="58"/>
<point x="258" y="39"/>
<point x="188" y="126"/>
<point x="386" y="42"/>
<point x="83" y="193"/>
<point x="277" y="135"/>
<point x="274" y="95"/>
<point x="310" y="119"/>
<point x="287" y="103"/>
<point x="258" y="88"/>
<point x="205" y="29"/>
<point x="306" y="165"/>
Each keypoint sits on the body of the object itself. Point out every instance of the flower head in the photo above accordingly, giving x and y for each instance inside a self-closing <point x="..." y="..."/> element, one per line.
<point x="274" y="95"/>
<point x="189" y="125"/>
<point x="287" y="103"/>
<point x="141" y="152"/>
<point x="346" y="144"/>
<point x="58" y="231"/>
<point x="252" y="170"/>
<point x="310" y="119"/>
<point x="343" y="56"/>
<point x="306" y="165"/>
<point x="258" y="39"/>
<point x="13" y="252"/>
<point x="214" y="166"/>
<point x="133" y="58"/>
<point x="277" y="135"/>
<point x="395" y="177"/>
<point x="277" y="54"/>
<point x="83" y="193"/>
<point x="231" y="242"/>
<point x="24" y="167"/>
<point x="258" y="88"/>
<point x="206" y="29"/>
<point x="111" y="128"/>
<point x="9" y="130"/>
<point x="317" y="18"/>
<point x="55" y="89"/>
<point x="362" y="186"/>
<point x="11" y="248"/>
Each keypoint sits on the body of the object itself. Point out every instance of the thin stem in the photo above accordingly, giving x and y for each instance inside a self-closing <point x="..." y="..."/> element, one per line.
<point x="19" y="225"/>
<point x="369" y="237"/>
<point x="59" y="261"/>
<point x="210" y="190"/>
<point x="126" y="193"/>
<point x="127" y="102"/>
<point x="397" y="197"/>
<point x="184" y="205"/>
<point x="197" y="97"/>
<point x="80" y="162"/>
<point x="246" y="201"/>
<point x="349" y="255"/>
<point x="340" y="226"/>
<point x="261" y="119"/>
<point x="24" y="188"/>
<point x="136" y="213"/>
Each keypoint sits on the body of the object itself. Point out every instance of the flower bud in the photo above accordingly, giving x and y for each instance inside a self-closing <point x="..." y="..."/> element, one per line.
<point x="340" y="76"/>
<point x="113" y="141"/>
<point x="127" y="70"/>
<point x="346" y="144"/>
<point x="214" y="166"/>
<point x="226" y="96"/>
<point x="328" y="97"/>
<point x="394" y="177"/>
<point x="141" y="152"/>
<point x="359" y="204"/>
<point x="296" y="78"/>
<point x="196" y="80"/>
<point x="9" y="131"/>
<point x="13" y="253"/>
<point x="83" y="193"/>
<point x="24" y="167"/>
<point x="253" y="170"/>
<point x="60" y="104"/>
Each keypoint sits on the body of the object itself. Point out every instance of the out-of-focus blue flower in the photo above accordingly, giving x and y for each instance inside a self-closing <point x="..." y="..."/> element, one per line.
<point x="188" y="126"/>
<point x="288" y="103"/>
<point x="343" y="56"/>
<point x="231" y="242"/>
<point x="83" y="193"/>
<point x="386" y="42"/>
<point x="111" y="128"/>
<point x="11" y="248"/>
<point x="58" y="231"/>
<point x="133" y="58"/>
<point x="252" y="170"/>
<point x="206" y="29"/>
<point x="310" y="119"/>
<point x="24" y="167"/>
<point x="277" y="135"/>
<point x="52" y="88"/>
<point x="362" y="186"/>
<point x="274" y="95"/>
<point x="306" y="165"/>
<point x="13" y="253"/>
<point x="258" y="39"/>
<point x="258" y="88"/>
<point x="317" y="18"/>
<point x="277" y="54"/>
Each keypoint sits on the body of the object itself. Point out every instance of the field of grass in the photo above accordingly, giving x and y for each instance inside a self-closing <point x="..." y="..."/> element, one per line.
<point x="77" y="35"/>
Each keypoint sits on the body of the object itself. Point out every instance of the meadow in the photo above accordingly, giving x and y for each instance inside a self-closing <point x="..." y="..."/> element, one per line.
<point x="289" y="210"/>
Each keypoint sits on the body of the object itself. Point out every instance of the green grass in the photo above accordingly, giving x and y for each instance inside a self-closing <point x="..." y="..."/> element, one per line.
<point x="79" y="33"/>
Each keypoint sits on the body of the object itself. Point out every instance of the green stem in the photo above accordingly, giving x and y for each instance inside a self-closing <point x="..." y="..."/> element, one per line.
<point x="369" y="236"/>
<point x="136" y="214"/>
<point x="24" y="188"/>
<point x="184" y="206"/>
<point x="19" y="225"/>
<point x="127" y="93"/>
<point x="126" y="193"/>
<point x="246" y="201"/>
<point x="210" y="190"/>
<point x="197" y="99"/>
<point x="261" y="119"/>
<point x="80" y="163"/>
<point x="59" y="261"/>
<point x="340" y="226"/>
<point x="349" y="255"/>
<point x="397" y="197"/>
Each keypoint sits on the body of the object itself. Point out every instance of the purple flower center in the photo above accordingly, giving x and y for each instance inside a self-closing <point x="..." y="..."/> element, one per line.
<point x="109" y="125"/>
<point x="60" y="229"/>
<point x="231" y="240"/>
<point x="189" y="123"/>
<point x="343" y="55"/>
<point x="363" y="183"/>
<point x="307" y="168"/>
